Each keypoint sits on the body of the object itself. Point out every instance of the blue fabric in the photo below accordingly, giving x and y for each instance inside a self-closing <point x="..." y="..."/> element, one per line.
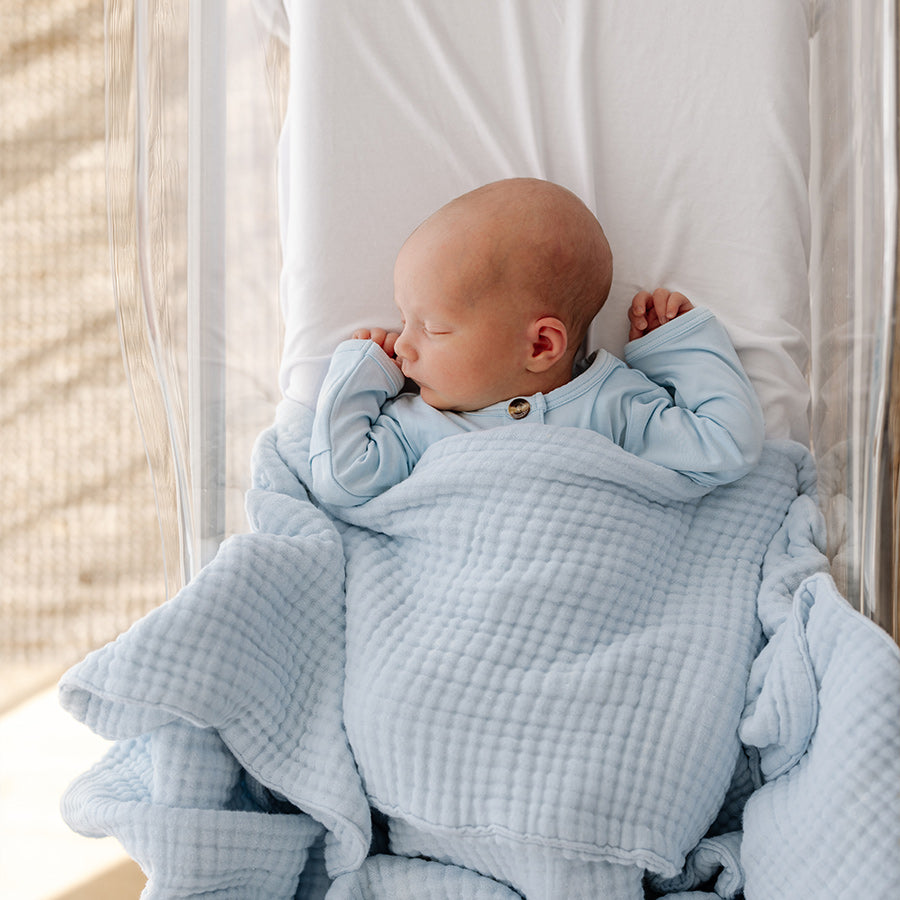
<point x="562" y="665"/>
<point x="826" y="821"/>
<point x="254" y="649"/>
<point x="686" y="404"/>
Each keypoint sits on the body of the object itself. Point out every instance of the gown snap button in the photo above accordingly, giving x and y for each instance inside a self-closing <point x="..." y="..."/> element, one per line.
<point x="519" y="408"/>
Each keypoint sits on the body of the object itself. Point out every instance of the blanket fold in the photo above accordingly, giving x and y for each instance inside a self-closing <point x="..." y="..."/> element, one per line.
<point x="253" y="648"/>
<point x="826" y="822"/>
<point x="235" y="849"/>
<point x="536" y="646"/>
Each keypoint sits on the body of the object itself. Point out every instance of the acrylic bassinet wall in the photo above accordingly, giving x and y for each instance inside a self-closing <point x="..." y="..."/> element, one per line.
<point x="194" y="106"/>
<point x="855" y="376"/>
<point x="195" y="98"/>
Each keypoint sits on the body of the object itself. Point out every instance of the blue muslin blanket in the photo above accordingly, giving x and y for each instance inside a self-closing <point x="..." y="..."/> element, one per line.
<point x="537" y="647"/>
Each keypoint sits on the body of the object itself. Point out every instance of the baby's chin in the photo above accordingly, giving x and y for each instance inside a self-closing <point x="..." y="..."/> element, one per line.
<point x="443" y="404"/>
<point x="439" y="402"/>
<point x="435" y="401"/>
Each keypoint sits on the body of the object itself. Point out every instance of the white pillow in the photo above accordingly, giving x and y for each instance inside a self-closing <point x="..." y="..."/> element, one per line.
<point x="682" y="123"/>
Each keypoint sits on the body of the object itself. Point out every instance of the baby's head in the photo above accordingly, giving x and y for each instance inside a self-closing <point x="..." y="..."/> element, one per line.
<point x="497" y="290"/>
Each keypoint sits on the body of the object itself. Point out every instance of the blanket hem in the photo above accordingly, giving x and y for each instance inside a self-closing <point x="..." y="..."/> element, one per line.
<point x="643" y="858"/>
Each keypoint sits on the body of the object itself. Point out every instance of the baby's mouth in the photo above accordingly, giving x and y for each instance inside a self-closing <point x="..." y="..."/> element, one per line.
<point x="412" y="386"/>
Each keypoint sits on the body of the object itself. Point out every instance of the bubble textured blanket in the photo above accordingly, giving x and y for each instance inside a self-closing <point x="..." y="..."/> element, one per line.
<point x="536" y="647"/>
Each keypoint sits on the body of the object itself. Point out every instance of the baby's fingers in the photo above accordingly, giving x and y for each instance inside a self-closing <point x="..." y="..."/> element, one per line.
<point x="661" y="304"/>
<point x="378" y="335"/>
<point x="669" y="304"/>
<point x="385" y="339"/>
<point x="390" y="340"/>
<point x="680" y="303"/>
<point x="637" y="312"/>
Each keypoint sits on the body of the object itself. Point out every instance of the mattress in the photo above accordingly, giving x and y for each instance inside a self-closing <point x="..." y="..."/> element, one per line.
<point x="686" y="132"/>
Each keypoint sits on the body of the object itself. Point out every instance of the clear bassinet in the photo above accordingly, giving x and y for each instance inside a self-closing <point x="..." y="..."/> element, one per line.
<point x="265" y="159"/>
<point x="196" y="97"/>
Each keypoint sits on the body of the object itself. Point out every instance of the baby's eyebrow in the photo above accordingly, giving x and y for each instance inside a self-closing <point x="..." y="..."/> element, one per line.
<point x="402" y="316"/>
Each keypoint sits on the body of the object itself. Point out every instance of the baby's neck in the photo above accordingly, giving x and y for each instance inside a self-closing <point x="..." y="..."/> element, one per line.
<point x="551" y="384"/>
<point x="545" y="382"/>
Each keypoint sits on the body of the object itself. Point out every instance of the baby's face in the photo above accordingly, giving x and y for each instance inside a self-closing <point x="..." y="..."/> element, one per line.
<point x="463" y="341"/>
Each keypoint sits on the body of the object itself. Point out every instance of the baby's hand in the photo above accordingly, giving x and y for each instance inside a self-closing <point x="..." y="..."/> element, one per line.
<point x="649" y="311"/>
<point x="384" y="339"/>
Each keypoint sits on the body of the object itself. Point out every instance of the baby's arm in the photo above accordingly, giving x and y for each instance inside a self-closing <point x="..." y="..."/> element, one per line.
<point x="707" y="422"/>
<point x="357" y="449"/>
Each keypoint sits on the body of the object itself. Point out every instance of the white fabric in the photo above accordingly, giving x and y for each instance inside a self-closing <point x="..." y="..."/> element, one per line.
<point x="683" y="123"/>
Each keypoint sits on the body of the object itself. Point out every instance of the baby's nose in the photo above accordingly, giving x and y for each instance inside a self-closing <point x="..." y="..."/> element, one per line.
<point x="403" y="347"/>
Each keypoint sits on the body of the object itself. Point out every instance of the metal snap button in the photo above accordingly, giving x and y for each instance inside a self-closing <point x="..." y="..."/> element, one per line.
<point x="518" y="408"/>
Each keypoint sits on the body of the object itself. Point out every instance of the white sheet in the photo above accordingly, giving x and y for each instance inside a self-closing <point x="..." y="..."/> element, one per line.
<point x="683" y="123"/>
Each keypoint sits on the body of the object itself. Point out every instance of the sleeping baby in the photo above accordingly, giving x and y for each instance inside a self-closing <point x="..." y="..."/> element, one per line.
<point x="515" y="693"/>
<point x="530" y="656"/>
<point x="497" y="691"/>
<point x="496" y="291"/>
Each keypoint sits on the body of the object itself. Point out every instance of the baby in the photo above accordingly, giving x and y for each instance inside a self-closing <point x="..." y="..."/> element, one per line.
<point x="496" y="291"/>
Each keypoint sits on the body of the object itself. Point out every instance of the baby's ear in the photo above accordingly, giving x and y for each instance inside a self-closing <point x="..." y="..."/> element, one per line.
<point x="550" y="340"/>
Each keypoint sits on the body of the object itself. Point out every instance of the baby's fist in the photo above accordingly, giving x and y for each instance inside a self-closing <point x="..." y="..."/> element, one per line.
<point x="384" y="339"/>
<point x="649" y="311"/>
